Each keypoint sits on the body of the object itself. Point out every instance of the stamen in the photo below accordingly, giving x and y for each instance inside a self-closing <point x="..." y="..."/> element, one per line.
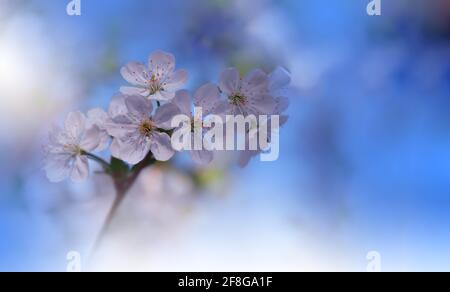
<point x="155" y="85"/>
<point x="73" y="149"/>
<point x="146" y="128"/>
<point x="154" y="88"/>
<point x="237" y="99"/>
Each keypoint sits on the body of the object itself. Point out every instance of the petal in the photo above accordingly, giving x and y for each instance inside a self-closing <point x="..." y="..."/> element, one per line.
<point x="256" y="81"/>
<point x="282" y="104"/>
<point x="139" y="107"/>
<point x="262" y="105"/>
<point x="183" y="101"/>
<point x="176" y="80"/>
<point x="52" y="149"/>
<point x="134" y="149"/>
<point x="201" y="157"/>
<point x="163" y="95"/>
<point x="97" y="117"/>
<point x="279" y="79"/>
<point x="75" y="125"/>
<point x="161" y="146"/>
<point x="230" y="81"/>
<point x="222" y="107"/>
<point x="207" y="97"/>
<point x="135" y="73"/>
<point x="121" y="127"/>
<point x="58" y="167"/>
<point x="117" y="106"/>
<point x="91" y="139"/>
<point x="95" y="139"/>
<point x="80" y="170"/>
<point x="164" y="115"/>
<point x="57" y="137"/>
<point x="143" y="91"/>
<point x="115" y="148"/>
<point x="161" y="64"/>
<point x="104" y="140"/>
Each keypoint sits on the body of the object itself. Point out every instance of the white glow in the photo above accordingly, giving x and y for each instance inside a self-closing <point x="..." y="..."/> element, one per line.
<point x="16" y="76"/>
<point x="31" y="75"/>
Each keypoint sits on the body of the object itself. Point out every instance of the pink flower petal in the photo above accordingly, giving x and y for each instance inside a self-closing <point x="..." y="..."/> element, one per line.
<point x="80" y="170"/>
<point x="161" y="64"/>
<point x="127" y="90"/>
<point x="207" y="97"/>
<point x="138" y="107"/>
<point x="136" y="74"/>
<point x="75" y="125"/>
<point x="134" y="149"/>
<point x="164" y="115"/>
<point x="161" y="146"/>
<point x="175" y="81"/>
<point x="183" y="101"/>
<point x="230" y="81"/>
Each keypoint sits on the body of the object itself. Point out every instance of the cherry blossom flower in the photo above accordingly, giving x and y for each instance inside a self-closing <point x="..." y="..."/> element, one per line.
<point x="158" y="81"/>
<point x="245" y="96"/>
<point x="137" y="132"/>
<point x="65" y="153"/>
<point x="205" y="101"/>
<point x="279" y="81"/>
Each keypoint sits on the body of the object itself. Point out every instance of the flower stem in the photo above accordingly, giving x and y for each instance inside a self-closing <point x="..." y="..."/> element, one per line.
<point x="120" y="195"/>
<point x="122" y="186"/>
<point x="106" y="166"/>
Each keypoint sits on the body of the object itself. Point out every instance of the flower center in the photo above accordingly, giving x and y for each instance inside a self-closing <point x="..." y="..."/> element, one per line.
<point x="73" y="149"/>
<point x="146" y="128"/>
<point x="154" y="85"/>
<point x="237" y="99"/>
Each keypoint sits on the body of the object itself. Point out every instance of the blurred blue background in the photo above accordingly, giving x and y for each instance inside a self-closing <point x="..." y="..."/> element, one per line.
<point x="365" y="156"/>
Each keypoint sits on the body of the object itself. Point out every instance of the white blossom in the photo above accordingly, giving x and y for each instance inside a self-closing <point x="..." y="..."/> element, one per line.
<point x="205" y="102"/>
<point x="64" y="155"/>
<point x="279" y="81"/>
<point x="158" y="81"/>
<point x="245" y="96"/>
<point x="137" y="132"/>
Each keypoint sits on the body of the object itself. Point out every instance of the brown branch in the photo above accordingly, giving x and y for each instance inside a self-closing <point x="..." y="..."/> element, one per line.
<point x="122" y="186"/>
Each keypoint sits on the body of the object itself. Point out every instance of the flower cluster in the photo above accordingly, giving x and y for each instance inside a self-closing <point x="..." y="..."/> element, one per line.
<point x="138" y="123"/>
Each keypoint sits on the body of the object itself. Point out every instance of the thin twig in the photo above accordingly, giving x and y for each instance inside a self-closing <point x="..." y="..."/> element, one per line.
<point x="106" y="166"/>
<point x="122" y="186"/>
<point x="120" y="195"/>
